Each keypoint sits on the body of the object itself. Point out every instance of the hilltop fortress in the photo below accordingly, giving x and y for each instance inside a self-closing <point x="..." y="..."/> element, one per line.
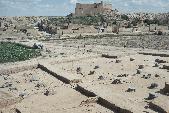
<point x="93" y="9"/>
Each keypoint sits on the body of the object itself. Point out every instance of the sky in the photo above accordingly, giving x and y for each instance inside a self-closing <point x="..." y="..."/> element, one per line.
<point x="65" y="7"/>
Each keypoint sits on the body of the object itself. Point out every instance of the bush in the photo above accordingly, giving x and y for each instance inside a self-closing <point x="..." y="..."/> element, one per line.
<point x="124" y="17"/>
<point x="12" y="52"/>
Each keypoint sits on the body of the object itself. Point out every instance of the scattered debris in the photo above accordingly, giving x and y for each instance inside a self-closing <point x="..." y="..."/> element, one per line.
<point x="156" y="75"/>
<point x="165" y="67"/>
<point x="33" y="78"/>
<point x="156" y="65"/>
<point x="11" y="110"/>
<point x="90" y="50"/>
<point x="123" y="75"/>
<point x="138" y="71"/>
<point x="151" y="96"/>
<point x="7" y="84"/>
<point x="38" y="46"/>
<point x="89" y="100"/>
<point x="12" y="89"/>
<point x="146" y="76"/>
<point x="91" y="72"/>
<point x="46" y="92"/>
<point x="153" y="85"/>
<point x="117" y="81"/>
<point x="76" y="81"/>
<point x="17" y="110"/>
<point x="160" y="61"/>
<point x="48" y="51"/>
<point x="101" y="78"/>
<point x="22" y="94"/>
<point x="78" y="70"/>
<point x="49" y="92"/>
<point x="39" y="85"/>
<point x="108" y="56"/>
<point x="131" y="89"/>
<point x="96" y="67"/>
<point x="140" y="66"/>
<point x="165" y="90"/>
<point x="132" y="59"/>
<point x="6" y="77"/>
<point x="118" y="61"/>
<point x="62" y="53"/>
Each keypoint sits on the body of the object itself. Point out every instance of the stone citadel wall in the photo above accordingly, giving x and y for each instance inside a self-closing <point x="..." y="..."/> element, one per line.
<point x="92" y="9"/>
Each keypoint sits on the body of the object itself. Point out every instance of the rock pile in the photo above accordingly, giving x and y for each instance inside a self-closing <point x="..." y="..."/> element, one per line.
<point x="101" y="78"/>
<point x="153" y="85"/>
<point x="160" y="61"/>
<point x="151" y="96"/>
<point x="91" y="72"/>
<point x="117" y="81"/>
<point x="146" y="76"/>
<point x="165" y="90"/>
<point x="132" y="59"/>
<point x="141" y="67"/>
<point x="131" y="89"/>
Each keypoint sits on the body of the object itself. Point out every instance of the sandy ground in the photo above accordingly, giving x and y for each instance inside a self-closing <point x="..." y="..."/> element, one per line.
<point x="107" y="70"/>
<point x="124" y="81"/>
<point x="62" y="98"/>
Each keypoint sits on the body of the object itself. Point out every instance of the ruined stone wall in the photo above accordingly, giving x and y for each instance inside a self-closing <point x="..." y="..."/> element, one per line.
<point x="92" y="9"/>
<point x="88" y="9"/>
<point x="162" y="28"/>
<point x="107" y="6"/>
<point x="157" y="27"/>
<point x="109" y="29"/>
<point x="78" y="29"/>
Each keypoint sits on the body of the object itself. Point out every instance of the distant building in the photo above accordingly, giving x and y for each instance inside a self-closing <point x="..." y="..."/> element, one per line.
<point x="1" y="24"/>
<point x="93" y="9"/>
<point x="153" y="27"/>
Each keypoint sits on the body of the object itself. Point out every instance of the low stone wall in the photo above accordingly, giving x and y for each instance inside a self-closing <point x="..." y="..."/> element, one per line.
<point x="62" y="76"/>
<point x="109" y="56"/>
<point x="18" y="69"/>
<point x="44" y="68"/>
<point x="112" y="106"/>
<point x="166" y="67"/>
<point x="155" y="54"/>
<point x="85" y="92"/>
<point x="156" y="108"/>
<point x="7" y="102"/>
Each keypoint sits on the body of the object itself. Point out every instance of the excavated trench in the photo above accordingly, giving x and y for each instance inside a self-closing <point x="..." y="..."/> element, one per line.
<point x="87" y="93"/>
<point x="93" y="98"/>
<point x="78" y="88"/>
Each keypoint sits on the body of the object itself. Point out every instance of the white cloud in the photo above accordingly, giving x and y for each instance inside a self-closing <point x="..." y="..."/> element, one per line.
<point x="73" y="1"/>
<point x="126" y="4"/>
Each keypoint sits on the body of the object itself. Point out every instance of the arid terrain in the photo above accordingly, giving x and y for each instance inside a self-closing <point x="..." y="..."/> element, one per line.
<point x="84" y="56"/>
<point x="89" y="75"/>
